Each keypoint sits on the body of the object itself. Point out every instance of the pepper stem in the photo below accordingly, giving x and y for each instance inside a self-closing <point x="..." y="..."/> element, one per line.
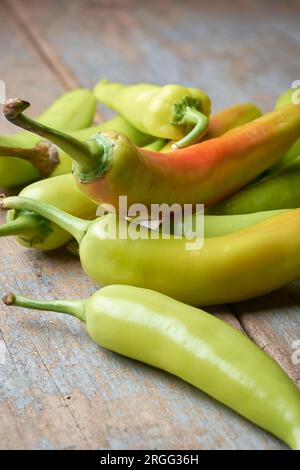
<point x="74" y="225"/>
<point x="43" y="157"/>
<point x="192" y="115"/>
<point x="22" y="225"/>
<point x="87" y="154"/>
<point x="76" y="308"/>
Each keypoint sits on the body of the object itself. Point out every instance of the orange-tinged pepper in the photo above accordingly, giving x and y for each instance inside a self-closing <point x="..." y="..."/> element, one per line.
<point x="109" y="165"/>
<point x="225" y="121"/>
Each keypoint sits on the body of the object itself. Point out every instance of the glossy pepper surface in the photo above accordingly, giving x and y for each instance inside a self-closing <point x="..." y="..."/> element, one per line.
<point x="280" y="190"/>
<point x="117" y="124"/>
<point x="109" y="165"/>
<point x="72" y="111"/>
<point x="62" y="191"/>
<point x="225" y="120"/>
<point x="171" y="112"/>
<point x="238" y="266"/>
<point x="287" y="98"/>
<point x="34" y="231"/>
<point x="230" y="118"/>
<point x="191" y="344"/>
<point x="48" y="160"/>
<point x="220" y="225"/>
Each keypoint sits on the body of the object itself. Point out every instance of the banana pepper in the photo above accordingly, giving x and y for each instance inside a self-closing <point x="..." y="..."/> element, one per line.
<point x="280" y="190"/>
<point x="191" y="344"/>
<point x="226" y="120"/>
<point x="72" y="111"/>
<point x="109" y="165"/>
<point x="293" y="152"/>
<point x="230" y="268"/>
<point x="171" y="112"/>
<point x="48" y="160"/>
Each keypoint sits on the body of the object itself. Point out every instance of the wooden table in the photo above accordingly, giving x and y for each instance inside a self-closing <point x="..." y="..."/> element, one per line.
<point x="58" y="389"/>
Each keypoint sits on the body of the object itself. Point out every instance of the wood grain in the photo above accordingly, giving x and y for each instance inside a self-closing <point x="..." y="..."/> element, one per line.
<point x="273" y="321"/>
<point x="36" y="82"/>
<point x="47" y="54"/>
<point x="236" y="53"/>
<point x="59" y="389"/>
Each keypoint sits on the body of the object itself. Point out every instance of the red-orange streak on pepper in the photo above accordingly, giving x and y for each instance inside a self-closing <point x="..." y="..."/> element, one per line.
<point x="206" y="172"/>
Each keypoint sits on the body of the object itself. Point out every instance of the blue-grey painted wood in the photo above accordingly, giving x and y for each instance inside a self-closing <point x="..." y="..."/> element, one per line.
<point x="245" y="50"/>
<point x="23" y="71"/>
<point x="273" y="321"/>
<point x="59" y="390"/>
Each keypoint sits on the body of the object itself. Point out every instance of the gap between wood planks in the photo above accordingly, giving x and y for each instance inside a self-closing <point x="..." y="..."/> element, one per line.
<point x="62" y="72"/>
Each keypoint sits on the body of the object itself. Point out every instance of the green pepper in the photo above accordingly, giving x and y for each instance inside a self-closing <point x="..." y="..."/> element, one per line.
<point x="219" y="225"/>
<point x="109" y="165"/>
<point x="117" y="124"/>
<point x="280" y="190"/>
<point x="156" y="145"/>
<point x="171" y="112"/>
<point x="74" y="110"/>
<point x="61" y="191"/>
<point x="48" y="160"/>
<point x="238" y="266"/>
<point x="287" y="97"/>
<point x="294" y="151"/>
<point x="191" y="344"/>
<point x="34" y="231"/>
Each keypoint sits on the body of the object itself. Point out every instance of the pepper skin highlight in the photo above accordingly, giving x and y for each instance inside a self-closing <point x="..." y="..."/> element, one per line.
<point x="109" y="165"/>
<point x="191" y="344"/>
<point x="238" y="266"/>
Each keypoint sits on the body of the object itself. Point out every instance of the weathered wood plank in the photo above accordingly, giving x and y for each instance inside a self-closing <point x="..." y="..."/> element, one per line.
<point x="273" y="321"/>
<point x="56" y="379"/>
<point x="59" y="390"/>
<point x="23" y="71"/>
<point x="48" y="55"/>
<point x="27" y="75"/>
<point x="265" y="36"/>
<point x="244" y="52"/>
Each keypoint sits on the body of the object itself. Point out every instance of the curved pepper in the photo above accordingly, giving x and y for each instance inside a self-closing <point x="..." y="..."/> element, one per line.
<point x="109" y="165"/>
<point x="225" y="120"/>
<point x="62" y="191"/>
<point x="283" y="100"/>
<point x="278" y="191"/>
<point x="171" y="112"/>
<point x="191" y="344"/>
<point x="239" y="266"/>
<point x="74" y="110"/>
<point x="48" y="160"/>
<point x="34" y="231"/>
<point x="117" y="124"/>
